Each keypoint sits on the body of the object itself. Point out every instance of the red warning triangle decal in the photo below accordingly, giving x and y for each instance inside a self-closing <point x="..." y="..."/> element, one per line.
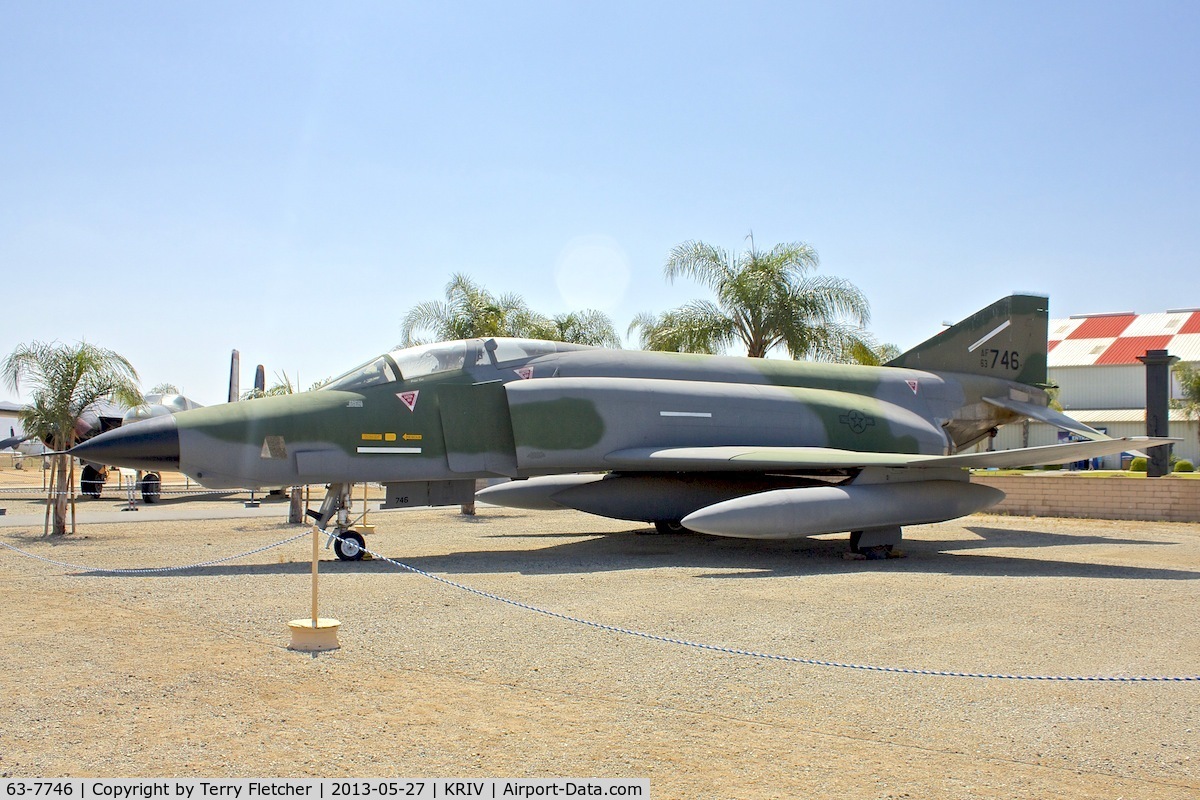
<point x="525" y="372"/>
<point x="914" y="385"/>
<point x="409" y="399"/>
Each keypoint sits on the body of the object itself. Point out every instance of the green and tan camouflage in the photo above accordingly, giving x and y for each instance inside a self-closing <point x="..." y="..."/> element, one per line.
<point x="724" y="445"/>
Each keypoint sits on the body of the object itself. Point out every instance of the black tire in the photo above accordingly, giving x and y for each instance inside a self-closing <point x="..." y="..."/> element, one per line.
<point x="666" y="526"/>
<point x="349" y="546"/>
<point x="151" y="487"/>
<point x="878" y="551"/>
<point x="91" y="481"/>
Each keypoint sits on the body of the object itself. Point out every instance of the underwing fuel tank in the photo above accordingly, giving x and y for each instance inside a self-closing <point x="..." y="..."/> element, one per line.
<point x="650" y="498"/>
<point x="536" y="494"/>
<point x="788" y="513"/>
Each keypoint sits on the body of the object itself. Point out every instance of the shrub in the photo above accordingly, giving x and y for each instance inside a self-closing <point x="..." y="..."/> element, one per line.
<point x="1182" y="465"/>
<point x="1138" y="464"/>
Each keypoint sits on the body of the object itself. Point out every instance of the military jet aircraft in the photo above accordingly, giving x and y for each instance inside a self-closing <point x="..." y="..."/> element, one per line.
<point x="728" y="446"/>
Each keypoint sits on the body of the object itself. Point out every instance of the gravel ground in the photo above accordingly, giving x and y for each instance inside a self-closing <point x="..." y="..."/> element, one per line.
<point x="187" y="673"/>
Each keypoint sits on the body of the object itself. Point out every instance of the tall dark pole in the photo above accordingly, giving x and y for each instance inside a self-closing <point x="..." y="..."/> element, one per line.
<point x="1158" y="408"/>
<point x="235" y="366"/>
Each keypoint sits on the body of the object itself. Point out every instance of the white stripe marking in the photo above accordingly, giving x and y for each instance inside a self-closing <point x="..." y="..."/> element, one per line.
<point x="703" y="414"/>
<point x="975" y="346"/>
<point x="391" y="450"/>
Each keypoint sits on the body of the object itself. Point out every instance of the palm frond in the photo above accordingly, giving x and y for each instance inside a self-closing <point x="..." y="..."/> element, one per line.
<point x="707" y="264"/>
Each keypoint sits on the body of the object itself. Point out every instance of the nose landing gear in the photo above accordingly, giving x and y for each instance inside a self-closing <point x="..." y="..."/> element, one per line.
<point x="346" y="538"/>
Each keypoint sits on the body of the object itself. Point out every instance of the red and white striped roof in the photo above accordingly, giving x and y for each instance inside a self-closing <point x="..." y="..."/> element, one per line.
<point x="1109" y="339"/>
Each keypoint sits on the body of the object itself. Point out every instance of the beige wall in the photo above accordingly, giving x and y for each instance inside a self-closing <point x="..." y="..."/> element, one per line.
<point x="1066" y="495"/>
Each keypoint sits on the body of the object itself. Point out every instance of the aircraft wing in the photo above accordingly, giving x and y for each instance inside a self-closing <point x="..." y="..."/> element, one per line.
<point x="1048" y="454"/>
<point x="12" y="441"/>
<point x="776" y="459"/>
<point x="1047" y="415"/>
<point x="750" y="459"/>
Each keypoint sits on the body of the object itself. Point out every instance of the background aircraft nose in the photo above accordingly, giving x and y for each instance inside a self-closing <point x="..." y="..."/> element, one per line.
<point x="151" y="444"/>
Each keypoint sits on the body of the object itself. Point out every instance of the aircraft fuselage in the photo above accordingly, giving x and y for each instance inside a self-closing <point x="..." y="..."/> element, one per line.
<point x="566" y="411"/>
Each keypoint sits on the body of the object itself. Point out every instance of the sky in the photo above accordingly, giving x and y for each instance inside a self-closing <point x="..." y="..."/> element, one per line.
<point x="289" y="178"/>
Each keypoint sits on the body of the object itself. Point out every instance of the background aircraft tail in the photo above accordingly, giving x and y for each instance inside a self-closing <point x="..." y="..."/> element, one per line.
<point x="1005" y="340"/>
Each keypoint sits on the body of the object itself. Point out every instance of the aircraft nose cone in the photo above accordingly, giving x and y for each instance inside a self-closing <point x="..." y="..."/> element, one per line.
<point x="151" y="444"/>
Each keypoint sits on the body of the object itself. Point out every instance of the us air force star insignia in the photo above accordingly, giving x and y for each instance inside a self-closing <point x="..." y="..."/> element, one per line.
<point x="857" y="421"/>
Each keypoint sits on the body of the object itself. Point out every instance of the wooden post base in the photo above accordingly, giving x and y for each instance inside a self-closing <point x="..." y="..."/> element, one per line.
<point x="308" y="639"/>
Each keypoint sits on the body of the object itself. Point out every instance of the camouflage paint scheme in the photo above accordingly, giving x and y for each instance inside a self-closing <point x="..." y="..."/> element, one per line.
<point x="678" y="433"/>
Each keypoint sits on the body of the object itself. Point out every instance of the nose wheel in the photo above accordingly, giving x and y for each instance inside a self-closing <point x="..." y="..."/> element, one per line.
<point x="349" y="546"/>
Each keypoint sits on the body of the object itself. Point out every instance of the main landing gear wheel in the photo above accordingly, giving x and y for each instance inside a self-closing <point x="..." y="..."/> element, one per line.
<point x="349" y="546"/>
<point x="92" y="481"/>
<point x="877" y="547"/>
<point x="665" y="526"/>
<point x="151" y="487"/>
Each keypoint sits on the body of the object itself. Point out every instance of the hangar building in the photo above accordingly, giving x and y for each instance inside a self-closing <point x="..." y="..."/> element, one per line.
<point x="1093" y="360"/>
<point x="10" y="424"/>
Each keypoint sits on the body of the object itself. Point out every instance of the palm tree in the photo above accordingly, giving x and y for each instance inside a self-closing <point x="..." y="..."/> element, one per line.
<point x="581" y="327"/>
<point x="470" y="311"/>
<point x="697" y="327"/>
<point x="873" y="354"/>
<point x="765" y="299"/>
<point x="65" y="382"/>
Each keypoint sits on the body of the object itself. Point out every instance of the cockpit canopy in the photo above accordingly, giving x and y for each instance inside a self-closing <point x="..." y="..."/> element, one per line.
<point x="158" y="405"/>
<point x="411" y="363"/>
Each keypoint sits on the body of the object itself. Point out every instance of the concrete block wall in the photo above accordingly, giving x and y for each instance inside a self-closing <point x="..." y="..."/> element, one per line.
<point x="1067" y="495"/>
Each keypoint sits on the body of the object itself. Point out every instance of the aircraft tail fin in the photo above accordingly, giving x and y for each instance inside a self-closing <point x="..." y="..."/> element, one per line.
<point x="1005" y="340"/>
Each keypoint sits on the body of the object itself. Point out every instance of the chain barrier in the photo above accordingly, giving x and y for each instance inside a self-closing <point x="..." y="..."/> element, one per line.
<point x="734" y="651"/>
<point x="42" y="493"/>
<point x="152" y="570"/>
<point x="815" y="662"/>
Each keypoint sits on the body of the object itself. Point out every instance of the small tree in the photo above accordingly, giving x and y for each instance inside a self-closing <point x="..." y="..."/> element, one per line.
<point x="1189" y="385"/>
<point x="872" y="354"/>
<point x="468" y="311"/>
<point x="471" y="311"/>
<point x="65" y="382"/>
<point x="283" y="385"/>
<point x="697" y="327"/>
<point x="580" y="327"/>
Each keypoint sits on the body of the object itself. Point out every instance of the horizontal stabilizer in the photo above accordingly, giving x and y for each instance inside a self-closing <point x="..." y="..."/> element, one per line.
<point x="776" y="459"/>
<point x="1047" y="415"/>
